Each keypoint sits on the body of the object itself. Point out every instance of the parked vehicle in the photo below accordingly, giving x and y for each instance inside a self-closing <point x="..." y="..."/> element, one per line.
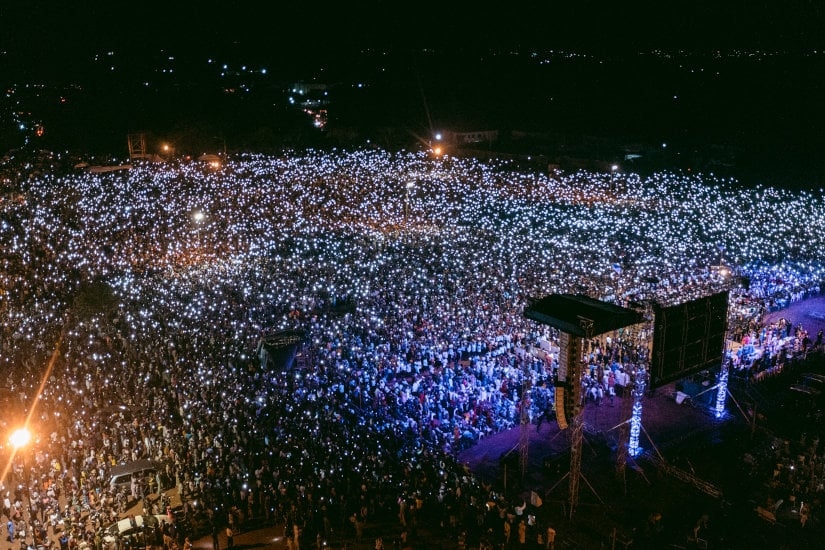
<point x="120" y="476"/>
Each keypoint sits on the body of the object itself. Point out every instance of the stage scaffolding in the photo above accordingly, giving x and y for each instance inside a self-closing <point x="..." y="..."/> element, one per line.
<point x="577" y="317"/>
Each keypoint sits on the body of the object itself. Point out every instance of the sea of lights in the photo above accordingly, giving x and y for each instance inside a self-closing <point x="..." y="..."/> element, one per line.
<point x="387" y="280"/>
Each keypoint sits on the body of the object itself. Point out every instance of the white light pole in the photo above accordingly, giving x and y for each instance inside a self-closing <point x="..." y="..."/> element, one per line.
<point x="198" y="218"/>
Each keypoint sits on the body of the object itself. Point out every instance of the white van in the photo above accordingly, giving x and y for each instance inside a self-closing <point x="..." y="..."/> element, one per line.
<point x="120" y="476"/>
<point x="127" y="526"/>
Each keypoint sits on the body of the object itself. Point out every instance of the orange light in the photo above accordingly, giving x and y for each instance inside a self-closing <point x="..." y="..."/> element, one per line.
<point x="20" y="437"/>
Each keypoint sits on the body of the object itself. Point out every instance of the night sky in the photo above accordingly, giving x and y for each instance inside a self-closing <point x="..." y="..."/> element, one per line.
<point x="441" y="68"/>
<point x="52" y="29"/>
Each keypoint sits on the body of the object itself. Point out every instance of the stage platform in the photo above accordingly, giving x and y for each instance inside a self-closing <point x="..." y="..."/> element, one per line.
<point x="665" y="421"/>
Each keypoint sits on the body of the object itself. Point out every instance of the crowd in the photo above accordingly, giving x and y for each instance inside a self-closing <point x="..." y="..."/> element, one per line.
<point x="765" y="350"/>
<point x="133" y="304"/>
<point x="796" y="482"/>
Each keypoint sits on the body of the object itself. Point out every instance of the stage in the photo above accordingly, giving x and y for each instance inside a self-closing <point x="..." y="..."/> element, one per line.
<point x="666" y="422"/>
<point x="693" y="465"/>
<point x="663" y="419"/>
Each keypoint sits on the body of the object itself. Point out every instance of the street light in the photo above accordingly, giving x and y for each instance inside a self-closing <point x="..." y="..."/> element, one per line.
<point x="19" y="438"/>
<point x="198" y="217"/>
<point x="168" y="150"/>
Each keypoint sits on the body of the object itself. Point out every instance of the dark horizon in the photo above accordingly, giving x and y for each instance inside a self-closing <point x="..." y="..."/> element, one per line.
<point x="720" y="84"/>
<point x="43" y="31"/>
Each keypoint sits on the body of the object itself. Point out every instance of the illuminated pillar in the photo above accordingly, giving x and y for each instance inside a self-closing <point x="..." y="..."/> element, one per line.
<point x="722" y="390"/>
<point x="636" y="417"/>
